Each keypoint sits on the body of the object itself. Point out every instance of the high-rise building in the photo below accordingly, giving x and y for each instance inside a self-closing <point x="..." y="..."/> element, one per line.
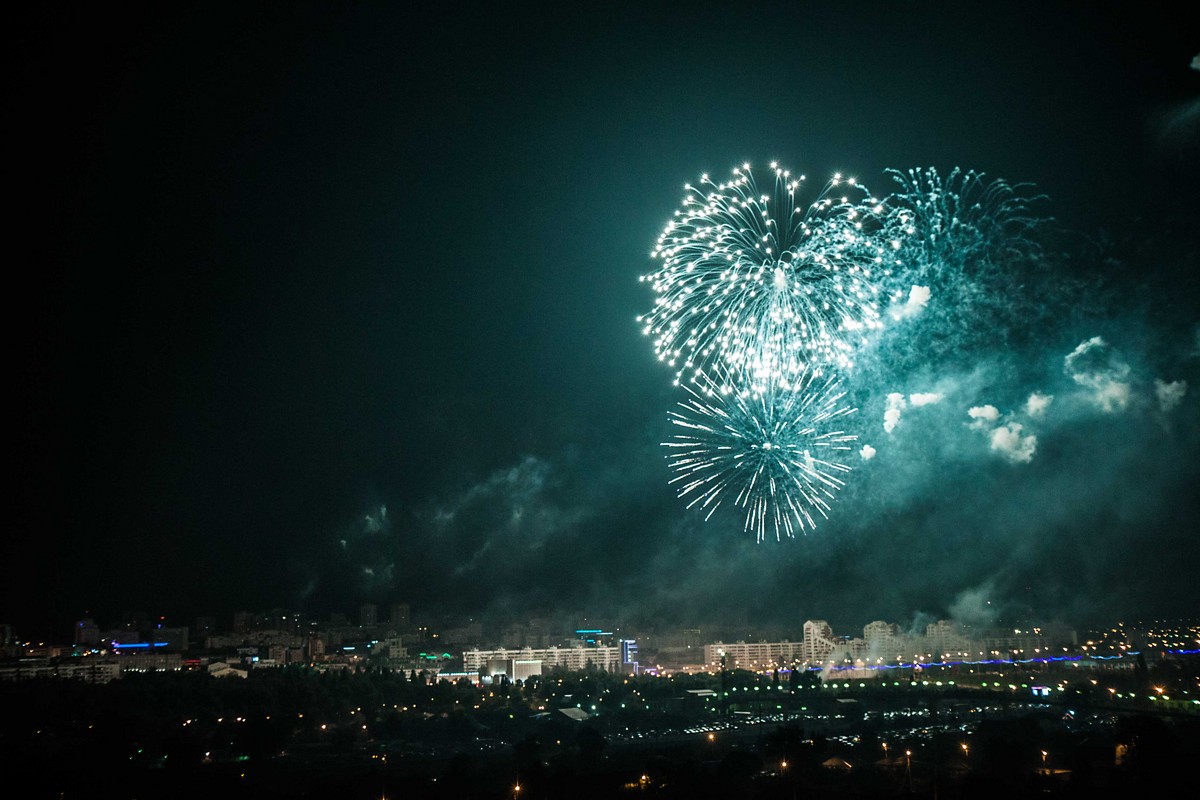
<point x="137" y="622"/>
<point x="881" y="638"/>
<point x="819" y="641"/>
<point x="315" y="647"/>
<point x="945" y="639"/>
<point x="243" y="622"/>
<point x="175" y="639"/>
<point x="87" y="633"/>
<point x="400" y="615"/>
<point x="629" y="655"/>
<point x="368" y="614"/>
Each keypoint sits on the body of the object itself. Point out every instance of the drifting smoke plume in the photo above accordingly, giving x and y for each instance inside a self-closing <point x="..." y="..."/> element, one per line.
<point x="1096" y="365"/>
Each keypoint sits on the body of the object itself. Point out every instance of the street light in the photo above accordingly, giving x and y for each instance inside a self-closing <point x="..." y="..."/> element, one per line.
<point x="1044" y="754"/>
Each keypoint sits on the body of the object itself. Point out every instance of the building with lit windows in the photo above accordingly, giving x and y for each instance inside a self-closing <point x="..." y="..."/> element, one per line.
<point x="752" y="655"/>
<point x="819" y="641"/>
<point x="571" y="658"/>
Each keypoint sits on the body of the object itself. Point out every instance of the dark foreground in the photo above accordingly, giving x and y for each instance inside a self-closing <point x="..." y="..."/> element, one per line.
<point x="297" y="735"/>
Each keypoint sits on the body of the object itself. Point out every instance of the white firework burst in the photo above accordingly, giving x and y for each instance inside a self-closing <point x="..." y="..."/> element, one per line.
<point x="777" y="454"/>
<point x="755" y="284"/>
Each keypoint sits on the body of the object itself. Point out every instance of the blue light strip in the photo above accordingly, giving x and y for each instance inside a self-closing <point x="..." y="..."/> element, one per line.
<point x="991" y="661"/>
<point x="138" y="645"/>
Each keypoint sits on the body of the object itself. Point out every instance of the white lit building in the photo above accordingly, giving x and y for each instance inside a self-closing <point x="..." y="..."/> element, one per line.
<point x="572" y="658"/>
<point x="752" y="655"/>
<point x="819" y="641"/>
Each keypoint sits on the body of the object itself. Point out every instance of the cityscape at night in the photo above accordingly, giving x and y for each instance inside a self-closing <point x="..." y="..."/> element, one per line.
<point x="766" y="400"/>
<point x="350" y="706"/>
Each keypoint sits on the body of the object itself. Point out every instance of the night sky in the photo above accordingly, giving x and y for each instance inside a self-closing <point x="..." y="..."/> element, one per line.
<point x="314" y="306"/>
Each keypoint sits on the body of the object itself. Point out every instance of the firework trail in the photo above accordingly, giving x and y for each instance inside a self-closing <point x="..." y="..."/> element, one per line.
<point x="960" y="225"/>
<point x="755" y="285"/>
<point x="774" y="453"/>
<point x="969" y="257"/>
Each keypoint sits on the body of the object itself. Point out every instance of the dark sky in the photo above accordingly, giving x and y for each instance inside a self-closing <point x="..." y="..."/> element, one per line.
<point x="275" y="270"/>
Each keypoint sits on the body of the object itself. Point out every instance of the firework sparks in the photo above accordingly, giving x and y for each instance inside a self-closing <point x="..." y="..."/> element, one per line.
<point x="969" y="255"/>
<point x="757" y="285"/>
<point x="774" y="452"/>
<point x="960" y="222"/>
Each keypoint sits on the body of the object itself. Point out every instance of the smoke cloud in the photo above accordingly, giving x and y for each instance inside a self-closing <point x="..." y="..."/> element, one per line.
<point x="1012" y="444"/>
<point x="1098" y="366"/>
<point x="918" y="298"/>
<point x="1037" y="404"/>
<point x="895" y="408"/>
<point x="1169" y="395"/>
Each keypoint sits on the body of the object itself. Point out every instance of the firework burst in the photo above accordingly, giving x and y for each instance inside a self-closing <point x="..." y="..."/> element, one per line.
<point x="755" y="284"/>
<point x="774" y="453"/>
<point x="970" y="269"/>
<point x="960" y="222"/>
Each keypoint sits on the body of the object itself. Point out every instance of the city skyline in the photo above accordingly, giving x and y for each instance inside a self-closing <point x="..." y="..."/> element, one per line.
<point x="141" y="630"/>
